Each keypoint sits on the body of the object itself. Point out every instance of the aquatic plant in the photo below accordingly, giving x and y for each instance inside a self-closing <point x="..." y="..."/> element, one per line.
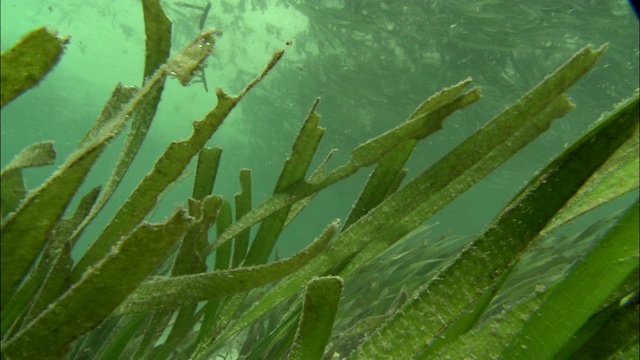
<point x="144" y="290"/>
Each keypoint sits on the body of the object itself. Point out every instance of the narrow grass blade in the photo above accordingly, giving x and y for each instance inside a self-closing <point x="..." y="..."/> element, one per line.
<point x="452" y="175"/>
<point x="465" y="321"/>
<point x="433" y="189"/>
<point x="158" y="47"/>
<point x="415" y="128"/>
<point x="321" y="300"/>
<point x="54" y="285"/>
<point x="486" y="340"/>
<point x="171" y="292"/>
<point x="243" y="205"/>
<point x="11" y="181"/>
<point x="100" y="290"/>
<point x="156" y="323"/>
<point x="188" y="258"/>
<point x="25" y="231"/>
<point x="364" y="155"/>
<point x="618" y="176"/>
<point x="157" y="29"/>
<point x="122" y="335"/>
<point x="206" y="172"/>
<point x="318" y="174"/>
<point x="606" y="332"/>
<point x="296" y="166"/>
<point x="223" y="253"/>
<point x="381" y="181"/>
<point x="176" y="157"/>
<point x="26" y="63"/>
<point x="52" y="269"/>
<point x="489" y="255"/>
<point x="580" y="293"/>
<point x="39" y="154"/>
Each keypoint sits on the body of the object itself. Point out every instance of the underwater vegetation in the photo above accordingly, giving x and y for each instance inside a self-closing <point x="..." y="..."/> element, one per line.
<point x="373" y="286"/>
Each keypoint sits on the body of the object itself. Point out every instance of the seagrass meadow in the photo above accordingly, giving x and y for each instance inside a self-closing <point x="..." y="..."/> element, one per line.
<point x="90" y="274"/>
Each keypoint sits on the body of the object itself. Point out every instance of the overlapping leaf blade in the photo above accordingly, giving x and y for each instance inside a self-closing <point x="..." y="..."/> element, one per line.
<point x="490" y="254"/>
<point x="93" y="298"/>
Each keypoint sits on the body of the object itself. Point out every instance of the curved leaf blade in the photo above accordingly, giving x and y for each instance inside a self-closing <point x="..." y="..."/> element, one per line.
<point x="570" y="304"/>
<point x="27" y="62"/>
<point x="490" y="254"/>
<point x="99" y="291"/>
<point x="319" y="309"/>
<point x="172" y="292"/>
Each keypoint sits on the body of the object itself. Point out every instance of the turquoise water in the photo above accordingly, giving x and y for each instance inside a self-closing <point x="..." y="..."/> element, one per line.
<point x="371" y="62"/>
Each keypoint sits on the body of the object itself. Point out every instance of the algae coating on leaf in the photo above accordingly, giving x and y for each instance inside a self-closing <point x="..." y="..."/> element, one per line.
<point x="178" y="289"/>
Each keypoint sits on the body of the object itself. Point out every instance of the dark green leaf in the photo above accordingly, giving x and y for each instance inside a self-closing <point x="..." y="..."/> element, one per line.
<point x="26" y="63"/>
<point x="321" y="300"/>
<point x="99" y="291"/>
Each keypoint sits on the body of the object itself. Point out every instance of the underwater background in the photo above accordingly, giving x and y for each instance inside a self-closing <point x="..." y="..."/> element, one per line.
<point x="371" y="62"/>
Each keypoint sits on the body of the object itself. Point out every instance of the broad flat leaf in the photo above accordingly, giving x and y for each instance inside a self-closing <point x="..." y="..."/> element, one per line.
<point x="26" y="63"/>
<point x="433" y="189"/>
<point x="175" y="158"/>
<point x="171" y="292"/>
<point x="243" y="204"/>
<point x="489" y="255"/>
<point x="363" y="155"/>
<point x="99" y="291"/>
<point x="321" y="300"/>
<point x="158" y="47"/>
<point x="618" y="176"/>
<point x="12" y="182"/>
<point x="206" y="171"/>
<point x="294" y="169"/>
<point x="34" y="155"/>
<point x="25" y="231"/>
<point x="570" y="304"/>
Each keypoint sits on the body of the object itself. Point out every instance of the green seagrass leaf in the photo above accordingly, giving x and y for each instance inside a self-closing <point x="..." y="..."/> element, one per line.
<point x="172" y="292"/>
<point x="206" y="171"/>
<point x="120" y="97"/>
<point x="99" y="291"/>
<point x="418" y="127"/>
<point x="490" y="254"/>
<point x="319" y="309"/>
<point x="56" y="255"/>
<point x="188" y="257"/>
<point x="25" y="231"/>
<point x="12" y="183"/>
<point x="317" y="175"/>
<point x="243" y="204"/>
<point x="363" y="155"/>
<point x="175" y="158"/>
<point x="124" y="333"/>
<point x="34" y="155"/>
<point x="56" y="282"/>
<point x="607" y="331"/>
<point x="381" y="180"/>
<point x="189" y="261"/>
<point x="158" y="47"/>
<point x="294" y="169"/>
<point x="465" y="321"/>
<point x="27" y="62"/>
<point x="486" y="340"/>
<point x="157" y="29"/>
<point x="581" y="292"/>
<point x="458" y="171"/>
<point x="410" y="206"/>
<point x="618" y="176"/>
<point x="223" y="253"/>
